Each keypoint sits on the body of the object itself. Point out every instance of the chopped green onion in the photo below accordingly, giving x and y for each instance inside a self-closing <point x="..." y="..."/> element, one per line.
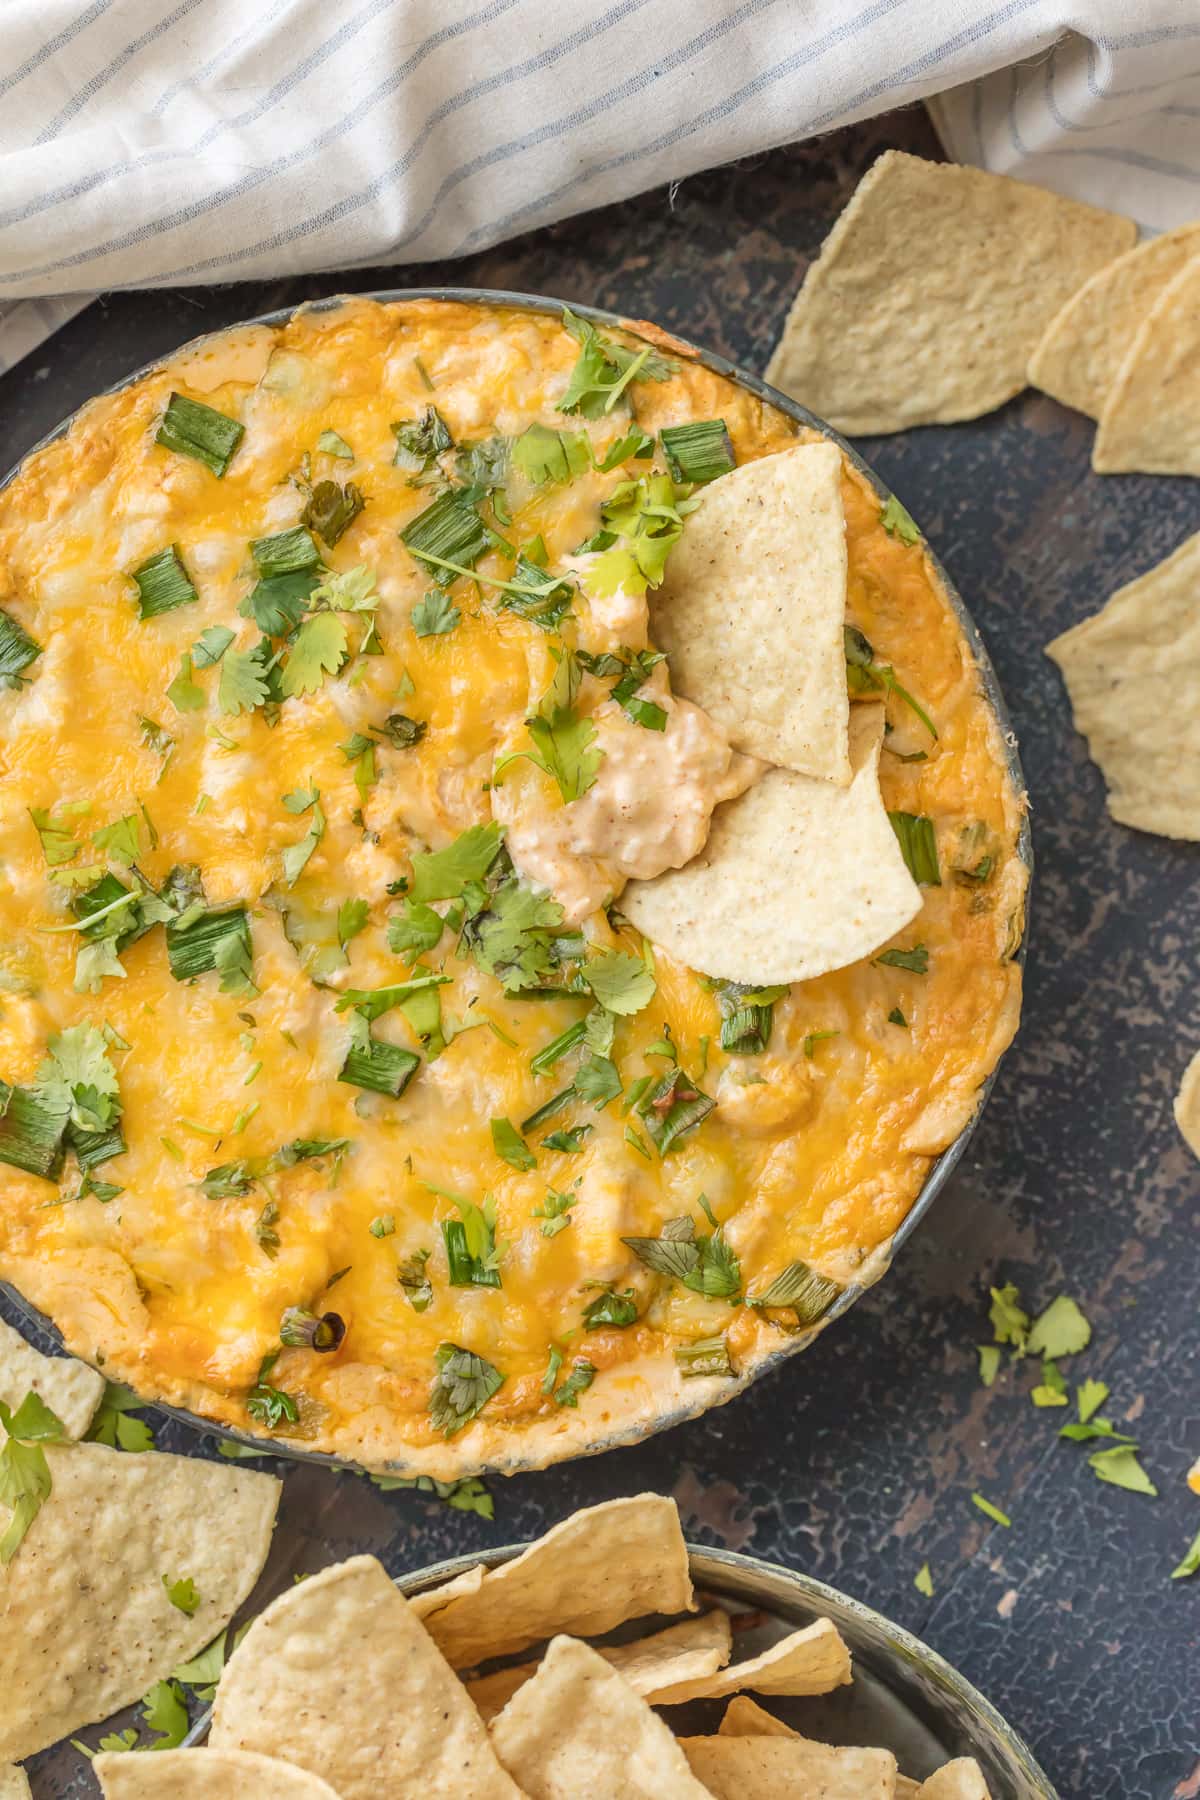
<point x="673" y="1106"/>
<point x="698" y="452"/>
<point x="200" y="431"/>
<point x="285" y="553"/>
<point x="465" y="1270"/>
<point x="802" y="1291"/>
<point x="31" y="1134"/>
<point x="747" y="1015"/>
<point x="303" y="1330"/>
<point x="547" y="1110"/>
<point x="380" y="1068"/>
<point x="447" y="536"/>
<point x="163" y="584"/>
<point x="557" y="1048"/>
<point x="707" y="1356"/>
<point x="17" y="650"/>
<point x="918" y="845"/>
<point x="208" y="942"/>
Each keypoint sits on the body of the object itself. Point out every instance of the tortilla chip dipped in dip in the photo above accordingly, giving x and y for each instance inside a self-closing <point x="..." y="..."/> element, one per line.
<point x="370" y="679"/>
<point x="931" y="293"/>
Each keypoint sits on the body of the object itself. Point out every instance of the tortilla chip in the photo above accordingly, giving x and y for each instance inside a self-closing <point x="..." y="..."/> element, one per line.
<point x="433" y="1599"/>
<point x="798" y="877"/>
<point x="206" y="1775"/>
<point x="601" y="1566"/>
<point x="746" y="1718"/>
<point x="812" y="1661"/>
<point x="906" y="1789"/>
<point x="767" y="1768"/>
<point x="683" y="1652"/>
<point x="576" y="1728"/>
<point x="961" y="1779"/>
<point x="1151" y="419"/>
<point x="1084" y="345"/>
<point x="340" y="1676"/>
<point x="931" y="292"/>
<point x="70" y="1389"/>
<point x="14" y="1783"/>
<point x="753" y="605"/>
<point x="1133" y="674"/>
<point x="88" y="1623"/>
<point x="1187" y="1107"/>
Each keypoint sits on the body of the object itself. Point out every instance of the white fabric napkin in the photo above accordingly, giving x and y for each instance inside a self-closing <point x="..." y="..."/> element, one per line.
<point x="146" y="143"/>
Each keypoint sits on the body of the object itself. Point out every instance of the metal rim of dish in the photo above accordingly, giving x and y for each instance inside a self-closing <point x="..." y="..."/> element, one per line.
<point x="904" y="1665"/>
<point x="944" y="1165"/>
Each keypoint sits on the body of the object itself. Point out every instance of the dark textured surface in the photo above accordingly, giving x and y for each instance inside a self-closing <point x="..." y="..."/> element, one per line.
<point x="857" y="1462"/>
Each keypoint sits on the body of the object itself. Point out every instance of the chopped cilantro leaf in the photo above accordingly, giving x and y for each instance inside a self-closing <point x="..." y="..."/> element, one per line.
<point x="1010" y="1324"/>
<point x="1119" y="1465"/>
<point x="318" y="649"/>
<point x="332" y="509"/>
<point x="121" y="840"/>
<point x="435" y="614"/>
<point x="115" y="1423"/>
<point x="990" y="1511"/>
<point x="182" y="1594"/>
<point x="605" y="368"/>
<point x="989" y="1363"/>
<point x="25" y="1481"/>
<point x="243" y="684"/>
<point x="923" y="1581"/>
<point x="278" y="603"/>
<point x="412" y="1276"/>
<point x="1191" y="1561"/>
<point x="542" y="455"/>
<point x="296" y="856"/>
<point x="916" y="960"/>
<point x="567" y="1143"/>
<point x="352" y="918"/>
<point x="898" y="523"/>
<point x="609" y="1308"/>
<point x="462" y="1387"/>
<point x="621" y="982"/>
<point x="165" y="1712"/>
<point x="468" y="1495"/>
<point x="443" y="874"/>
<point x="419" y="442"/>
<point x="331" y="443"/>
<point x="1089" y="1398"/>
<point x="555" y="1210"/>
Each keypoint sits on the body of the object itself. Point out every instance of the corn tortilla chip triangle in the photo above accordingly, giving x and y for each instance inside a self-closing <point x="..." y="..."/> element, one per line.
<point x="433" y="1599"/>
<point x="812" y="1661"/>
<point x="341" y="1677"/>
<point x="577" y="1728"/>
<point x="683" y="1652"/>
<point x="766" y="1768"/>
<point x="14" y="1783"/>
<point x="1187" y="1107"/>
<point x="746" y="1718"/>
<point x="601" y="1566"/>
<point x="70" y="1389"/>
<point x="88" y="1622"/>
<point x="1118" y="665"/>
<point x="206" y="1775"/>
<point x="1086" y="341"/>
<point x="1150" y="422"/>
<point x="931" y="292"/>
<point x="752" y="607"/>
<point x="961" y="1779"/>
<point x="798" y="877"/>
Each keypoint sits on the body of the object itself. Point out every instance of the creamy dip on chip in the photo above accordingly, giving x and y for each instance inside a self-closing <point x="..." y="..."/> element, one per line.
<point x="339" y="1100"/>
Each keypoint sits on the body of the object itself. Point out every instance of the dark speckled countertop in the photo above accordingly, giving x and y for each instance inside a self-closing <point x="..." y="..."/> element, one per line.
<point x="857" y="1461"/>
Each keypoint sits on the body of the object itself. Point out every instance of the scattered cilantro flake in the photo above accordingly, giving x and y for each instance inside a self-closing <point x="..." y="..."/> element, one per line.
<point x="605" y="368"/>
<point x="989" y="1363"/>
<point x="1061" y="1330"/>
<point x="916" y="960"/>
<point x="182" y="1594"/>
<point x="330" y="443"/>
<point x="351" y="919"/>
<point x="350" y="590"/>
<point x="898" y="523"/>
<point x="1191" y="1561"/>
<point x="121" y="840"/>
<point x="610" y="1308"/>
<point x="243" y="684"/>
<point x="567" y="1143"/>
<point x="203" y="1672"/>
<point x="582" y="1375"/>
<point x="115" y="1423"/>
<point x="414" y="1280"/>
<point x="555" y="1210"/>
<point x="990" y="1511"/>
<point x="443" y="874"/>
<point x="25" y="1482"/>
<point x="383" y="1226"/>
<point x="296" y="856"/>
<point x="1010" y="1325"/>
<point x="1119" y="1465"/>
<point x="923" y="1581"/>
<point x="1089" y="1398"/>
<point x="468" y="1495"/>
<point x="165" y="1712"/>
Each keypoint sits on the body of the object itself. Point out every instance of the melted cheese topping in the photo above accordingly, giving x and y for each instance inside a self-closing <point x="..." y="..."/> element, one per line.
<point x="815" y="1156"/>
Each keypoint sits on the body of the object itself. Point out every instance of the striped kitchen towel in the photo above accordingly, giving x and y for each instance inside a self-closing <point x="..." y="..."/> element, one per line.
<point x="211" y="140"/>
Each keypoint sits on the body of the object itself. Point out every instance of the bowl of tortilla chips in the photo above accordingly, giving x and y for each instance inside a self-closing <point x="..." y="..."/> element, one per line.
<point x="608" y="1657"/>
<point x="499" y="1079"/>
